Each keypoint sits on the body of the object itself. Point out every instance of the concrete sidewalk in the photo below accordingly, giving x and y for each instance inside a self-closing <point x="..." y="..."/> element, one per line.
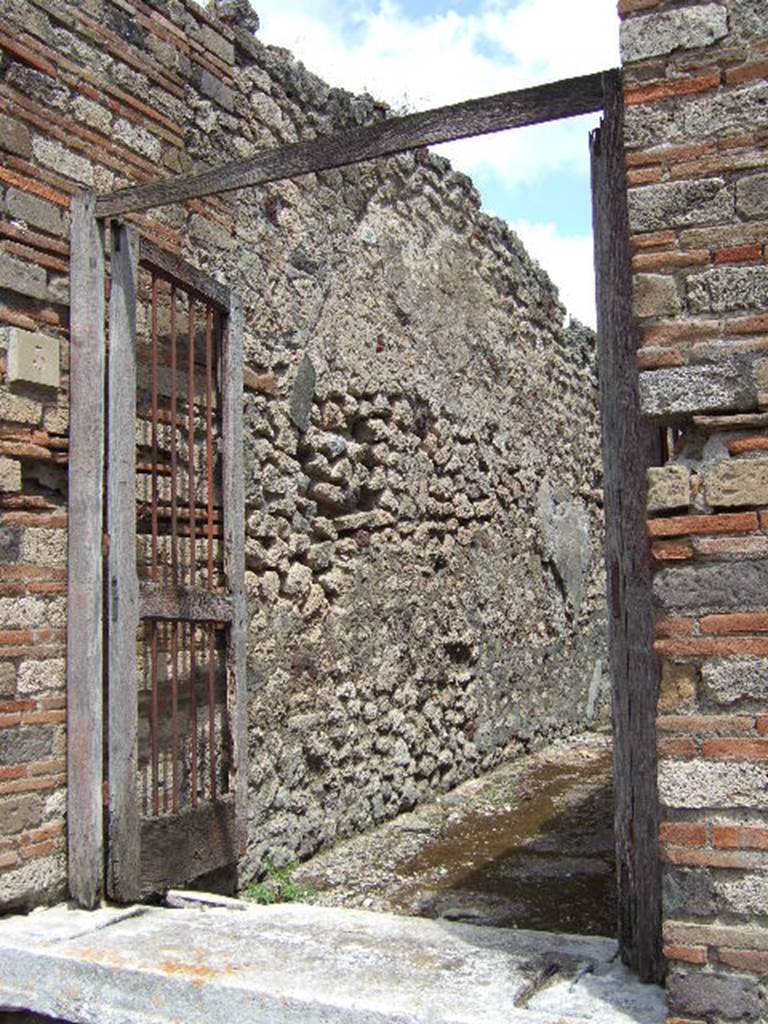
<point x="298" y="964"/>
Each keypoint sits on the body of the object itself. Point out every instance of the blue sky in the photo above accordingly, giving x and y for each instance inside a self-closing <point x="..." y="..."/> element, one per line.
<point x="417" y="54"/>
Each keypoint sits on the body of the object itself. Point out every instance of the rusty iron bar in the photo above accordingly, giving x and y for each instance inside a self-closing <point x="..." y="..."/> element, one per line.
<point x="193" y="708"/>
<point x="209" y="434"/>
<point x="154" y="720"/>
<point x="174" y="467"/>
<point x="191" y="442"/>
<point x="175" y="717"/>
<point x="211" y="711"/>
<point x="154" y="430"/>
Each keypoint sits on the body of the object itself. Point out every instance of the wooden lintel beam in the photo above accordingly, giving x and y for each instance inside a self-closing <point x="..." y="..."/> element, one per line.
<point x="567" y="98"/>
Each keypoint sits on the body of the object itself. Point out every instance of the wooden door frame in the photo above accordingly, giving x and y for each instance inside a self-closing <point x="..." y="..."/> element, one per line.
<point x="634" y="668"/>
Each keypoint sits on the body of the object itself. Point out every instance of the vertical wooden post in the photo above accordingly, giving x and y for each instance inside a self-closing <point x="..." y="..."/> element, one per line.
<point x="123" y="854"/>
<point x="84" y="557"/>
<point x="234" y="555"/>
<point x="630" y="445"/>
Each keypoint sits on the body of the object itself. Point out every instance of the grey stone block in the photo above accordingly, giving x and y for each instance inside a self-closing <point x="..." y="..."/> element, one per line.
<point x="735" y="483"/>
<point x="15" y="136"/>
<point x="669" y="487"/>
<point x="727" y="385"/>
<point x="752" y="195"/>
<point x="20" y="276"/>
<point x="679" y="204"/>
<point x="17" y="746"/>
<point x="713" y="784"/>
<point x="303" y="394"/>
<point x="735" y="585"/>
<point x="728" y="290"/>
<point x="746" y="895"/>
<point x="688" y="29"/>
<point x="216" y="90"/>
<point x="7" y="680"/>
<point x="10" y="543"/>
<point x="19" y="812"/>
<point x="655" y="295"/>
<point x="35" y="211"/>
<point x="728" y="680"/>
<point x="717" y="113"/>
<point x="715" y="996"/>
<point x="688" y="893"/>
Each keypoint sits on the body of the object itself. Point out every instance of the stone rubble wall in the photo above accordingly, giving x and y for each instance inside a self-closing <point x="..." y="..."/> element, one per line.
<point x="696" y="131"/>
<point x="422" y="448"/>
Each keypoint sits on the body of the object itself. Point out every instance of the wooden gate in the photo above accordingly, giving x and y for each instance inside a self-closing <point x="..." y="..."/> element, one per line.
<point x="175" y="703"/>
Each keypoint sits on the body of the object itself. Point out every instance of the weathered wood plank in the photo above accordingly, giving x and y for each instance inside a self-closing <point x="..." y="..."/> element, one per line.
<point x="162" y="601"/>
<point x="177" y="849"/>
<point x="175" y="268"/>
<point x="234" y="555"/>
<point x="84" y="557"/>
<point x="630" y="445"/>
<point x="122" y="582"/>
<point x="549" y="102"/>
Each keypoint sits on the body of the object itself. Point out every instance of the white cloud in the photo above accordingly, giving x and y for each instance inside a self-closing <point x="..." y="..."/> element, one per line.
<point x="569" y="262"/>
<point x="416" y="62"/>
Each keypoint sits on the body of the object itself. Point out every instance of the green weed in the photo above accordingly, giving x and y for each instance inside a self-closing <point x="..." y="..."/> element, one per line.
<point x="279" y="887"/>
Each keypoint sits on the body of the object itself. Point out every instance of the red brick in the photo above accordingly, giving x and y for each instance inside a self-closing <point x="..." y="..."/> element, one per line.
<point x="704" y="858"/>
<point x="12" y="771"/>
<point x="38" y="849"/>
<point x="746" y="74"/>
<point x="761" y="723"/>
<point x="656" y="359"/>
<point x="27" y="785"/>
<point x="15" y="637"/>
<point x="27" y="185"/>
<point x="736" y="749"/>
<point x="739" y="254"/>
<point x="8" y="860"/>
<point x="10" y="721"/>
<point x="675" y="626"/>
<point x="670" y="260"/>
<point x="731" y="545"/>
<point x="691" y="647"/>
<point x="643" y="175"/>
<point x="687" y="954"/>
<point x="681" y="526"/>
<point x="748" y="325"/>
<point x="747" y="444"/>
<point x="744" y="960"/>
<point x="11" y="706"/>
<point x="683" y="833"/>
<point x="652" y="239"/>
<point x="26" y="56"/>
<point x="680" y="746"/>
<point x="697" y="724"/>
<point x="674" y="333"/>
<point x="735" y="622"/>
<point x="668" y="90"/>
<point x="666" y="154"/>
<point x="740" y="837"/>
<point x="43" y="717"/>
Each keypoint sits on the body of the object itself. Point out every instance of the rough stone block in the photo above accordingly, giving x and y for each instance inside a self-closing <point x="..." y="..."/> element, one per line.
<point x="728" y="290"/>
<point x="727" y="385"/>
<point x="20" y="812"/>
<point x="746" y="895"/>
<point x="718" y="113"/>
<point x="714" y="996"/>
<point x="669" y="487"/>
<point x="688" y="893"/>
<point x="15" y="409"/>
<point x="10" y="543"/>
<point x="728" y="680"/>
<point x="10" y="475"/>
<point x="752" y="195"/>
<point x="7" y="680"/>
<point x="737" y="482"/>
<point x="41" y="676"/>
<point x="18" y="746"/>
<point x="679" y="204"/>
<point x="217" y="90"/>
<point x="15" y="136"/>
<point x="656" y="34"/>
<point x="655" y="295"/>
<point x="33" y="358"/>
<point x="210" y="232"/>
<point x="23" y="277"/>
<point x="740" y="585"/>
<point x="678" y="686"/>
<point x="302" y="394"/>
<point x="62" y="160"/>
<point x="716" y="785"/>
<point x="37" y="212"/>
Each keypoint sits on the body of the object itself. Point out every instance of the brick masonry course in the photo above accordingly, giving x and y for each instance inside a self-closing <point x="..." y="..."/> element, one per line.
<point x="696" y="149"/>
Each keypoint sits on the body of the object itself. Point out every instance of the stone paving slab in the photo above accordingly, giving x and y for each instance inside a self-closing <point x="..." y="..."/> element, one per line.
<point x="287" y="964"/>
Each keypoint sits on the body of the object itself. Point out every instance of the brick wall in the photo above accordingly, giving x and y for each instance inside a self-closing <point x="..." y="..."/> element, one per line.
<point x="697" y="154"/>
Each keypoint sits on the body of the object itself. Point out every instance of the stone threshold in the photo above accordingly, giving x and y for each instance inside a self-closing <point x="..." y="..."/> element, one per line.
<point x="210" y="960"/>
